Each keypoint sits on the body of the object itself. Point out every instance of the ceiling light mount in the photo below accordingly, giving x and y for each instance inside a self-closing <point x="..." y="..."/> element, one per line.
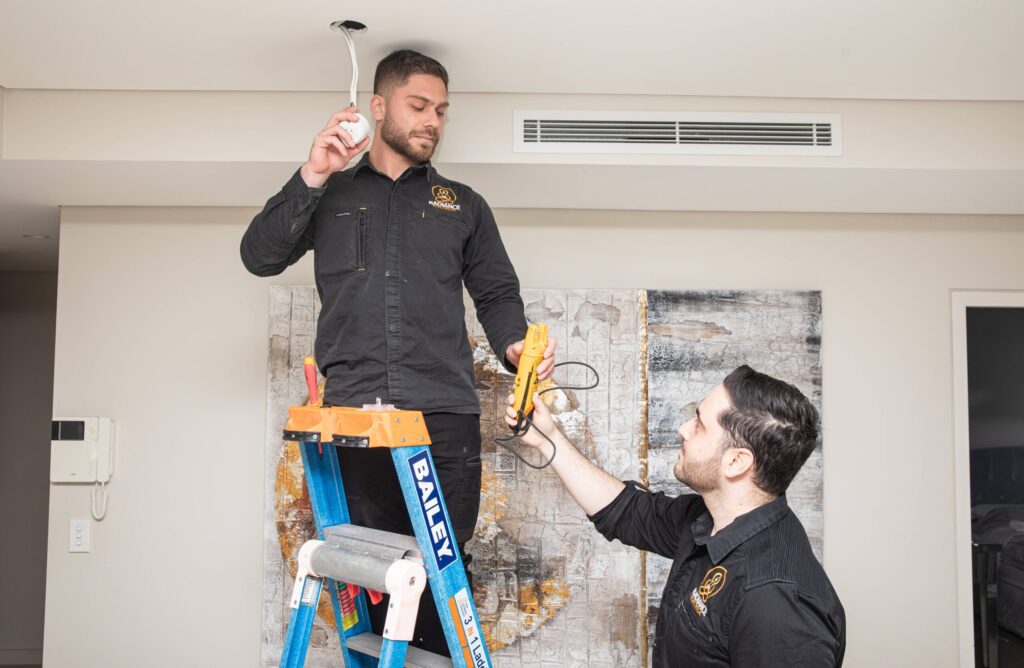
<point x="349" y="25"/>
<point x="359" y="129"/>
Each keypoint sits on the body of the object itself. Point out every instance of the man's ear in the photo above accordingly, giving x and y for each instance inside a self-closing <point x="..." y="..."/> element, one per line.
<point x="378" y="106"/>
<point x="737" y="462"/>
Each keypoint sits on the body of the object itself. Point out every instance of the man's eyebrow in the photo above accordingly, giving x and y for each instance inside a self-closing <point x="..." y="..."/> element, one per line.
<point x="427" y="100"/>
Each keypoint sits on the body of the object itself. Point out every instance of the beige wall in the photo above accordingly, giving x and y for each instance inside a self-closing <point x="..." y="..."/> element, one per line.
<point x="160" y="328"/>
<point x="28" y="304"/>
<point x="259" y="126"/>
<point x="157" y="148"/>
<point x="3" y="116"/>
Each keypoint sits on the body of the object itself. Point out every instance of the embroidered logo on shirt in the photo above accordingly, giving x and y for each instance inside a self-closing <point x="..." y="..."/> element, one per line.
<point x="714" y="581"/>
<point x="444" y="198"/>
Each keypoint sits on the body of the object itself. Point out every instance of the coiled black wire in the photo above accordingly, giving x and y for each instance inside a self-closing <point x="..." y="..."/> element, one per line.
<point x="526" y="421"/>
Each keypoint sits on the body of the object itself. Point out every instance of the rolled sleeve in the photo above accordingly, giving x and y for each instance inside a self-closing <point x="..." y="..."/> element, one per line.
<point x="646" y="520"/>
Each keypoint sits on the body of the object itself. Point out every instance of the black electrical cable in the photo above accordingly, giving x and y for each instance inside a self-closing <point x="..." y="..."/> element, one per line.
<point x="525" y="422"/>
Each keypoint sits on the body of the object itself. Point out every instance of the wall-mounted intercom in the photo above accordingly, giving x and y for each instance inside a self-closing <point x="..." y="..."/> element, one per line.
<point x="82" y="451"/>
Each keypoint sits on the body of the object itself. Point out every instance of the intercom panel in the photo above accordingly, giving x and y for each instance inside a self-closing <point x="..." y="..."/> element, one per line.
<point x="81" y="449"/>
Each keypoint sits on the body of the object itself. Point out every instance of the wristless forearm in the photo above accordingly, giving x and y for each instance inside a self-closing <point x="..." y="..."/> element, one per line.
<point x="590" y="486"/>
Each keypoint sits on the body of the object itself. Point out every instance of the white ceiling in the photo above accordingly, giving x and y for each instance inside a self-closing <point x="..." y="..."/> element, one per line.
<point x="866" y="49"/>
<point x="891" y="49"/>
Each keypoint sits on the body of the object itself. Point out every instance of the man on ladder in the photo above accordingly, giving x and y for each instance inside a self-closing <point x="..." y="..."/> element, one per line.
<point x="394" y="242"/>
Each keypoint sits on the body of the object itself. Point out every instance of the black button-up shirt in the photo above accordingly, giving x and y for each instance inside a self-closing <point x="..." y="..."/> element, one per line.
<point x="391" y="258"/>
<point x="751" y="595"/>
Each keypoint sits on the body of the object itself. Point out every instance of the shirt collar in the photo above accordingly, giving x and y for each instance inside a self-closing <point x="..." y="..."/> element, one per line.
<point x="743" y="528"/>
<point x="425" y="167"/>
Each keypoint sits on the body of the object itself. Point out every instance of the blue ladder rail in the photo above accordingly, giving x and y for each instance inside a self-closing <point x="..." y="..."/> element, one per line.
<point x="432" y="527"/>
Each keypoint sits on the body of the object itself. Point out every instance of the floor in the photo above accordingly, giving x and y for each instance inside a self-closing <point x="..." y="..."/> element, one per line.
<point x="1011" y="651"/>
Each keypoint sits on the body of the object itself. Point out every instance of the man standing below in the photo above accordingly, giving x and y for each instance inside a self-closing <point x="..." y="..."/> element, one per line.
<point x="744" y="589"/>
<point x="394" y="242"/>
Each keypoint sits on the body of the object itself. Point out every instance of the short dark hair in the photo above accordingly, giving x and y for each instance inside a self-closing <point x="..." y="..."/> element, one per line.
<point x="396" y="69"/>
<point x="772" y="419"/>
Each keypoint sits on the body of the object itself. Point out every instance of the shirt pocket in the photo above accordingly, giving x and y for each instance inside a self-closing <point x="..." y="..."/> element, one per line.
<point x="696" y="624"/>
<point x="342" y="242"/>
<point x="439" y="241"/>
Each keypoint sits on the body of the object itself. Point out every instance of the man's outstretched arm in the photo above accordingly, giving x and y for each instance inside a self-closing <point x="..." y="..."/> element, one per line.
<point x="592" y="487"/>
<point x="620" y="511"/>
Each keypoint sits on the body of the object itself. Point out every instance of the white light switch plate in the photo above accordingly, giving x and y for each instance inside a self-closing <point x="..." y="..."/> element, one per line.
<point x="79" y="536"/>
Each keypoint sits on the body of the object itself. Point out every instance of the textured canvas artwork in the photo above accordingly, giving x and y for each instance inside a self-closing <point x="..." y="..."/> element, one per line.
<point x="550" y="590"/>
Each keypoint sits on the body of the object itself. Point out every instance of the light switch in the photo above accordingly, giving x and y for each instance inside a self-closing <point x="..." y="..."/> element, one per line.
<point x="79" y="538"/>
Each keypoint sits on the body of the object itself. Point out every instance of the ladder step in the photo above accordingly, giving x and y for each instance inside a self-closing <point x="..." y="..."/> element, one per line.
<point x="373" y="541"/>
<point x="370" y="644"/>
<point x="362" y="556"/>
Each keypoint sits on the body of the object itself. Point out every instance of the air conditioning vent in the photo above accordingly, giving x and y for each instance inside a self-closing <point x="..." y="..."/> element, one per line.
<point x="677" y="133"/>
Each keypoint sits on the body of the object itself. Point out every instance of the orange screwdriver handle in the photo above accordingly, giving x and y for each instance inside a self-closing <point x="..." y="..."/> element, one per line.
<point x="309" y="367"/>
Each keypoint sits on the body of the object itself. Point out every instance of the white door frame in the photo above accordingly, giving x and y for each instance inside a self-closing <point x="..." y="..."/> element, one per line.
<point x="962" y="299"/>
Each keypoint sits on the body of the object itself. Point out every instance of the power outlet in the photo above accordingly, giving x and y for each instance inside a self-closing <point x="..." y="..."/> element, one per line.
<point x="80" y="536"/>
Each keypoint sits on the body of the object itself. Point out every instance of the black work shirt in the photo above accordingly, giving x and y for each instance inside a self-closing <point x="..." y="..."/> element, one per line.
<point x="751" y="595"/>
<point x="390" y="259"/>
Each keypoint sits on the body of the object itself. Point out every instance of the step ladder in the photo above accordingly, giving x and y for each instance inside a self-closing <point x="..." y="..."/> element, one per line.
<point x="376" y="560"/>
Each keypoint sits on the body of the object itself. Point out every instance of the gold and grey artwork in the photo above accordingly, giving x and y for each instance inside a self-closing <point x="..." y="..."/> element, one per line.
<point x="548" y="588"/>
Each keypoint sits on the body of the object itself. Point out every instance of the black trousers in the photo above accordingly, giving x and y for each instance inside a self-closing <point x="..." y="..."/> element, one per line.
<point x="375" y="500"/>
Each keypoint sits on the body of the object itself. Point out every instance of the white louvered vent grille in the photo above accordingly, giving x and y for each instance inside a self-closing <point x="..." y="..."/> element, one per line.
<point x="646" y="132"/>
<point x="681" y="133"/>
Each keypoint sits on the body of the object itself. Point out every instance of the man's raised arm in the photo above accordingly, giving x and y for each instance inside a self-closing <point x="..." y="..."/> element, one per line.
<point x="279" y="234"/>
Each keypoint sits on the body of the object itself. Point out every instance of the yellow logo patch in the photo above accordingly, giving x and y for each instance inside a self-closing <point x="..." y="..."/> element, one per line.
<point x="713" y="582"/>
<point x="442" y="194"/>
<point x="444" y="198"/>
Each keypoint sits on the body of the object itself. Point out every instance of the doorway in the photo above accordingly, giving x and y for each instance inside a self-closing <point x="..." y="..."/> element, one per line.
<point x="988" y="342"/>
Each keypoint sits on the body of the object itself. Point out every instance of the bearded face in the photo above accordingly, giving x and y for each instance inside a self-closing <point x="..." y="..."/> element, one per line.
<point x="410" y="117"/>
<point x="416" y="144"/>
<point x="700" y="475"/>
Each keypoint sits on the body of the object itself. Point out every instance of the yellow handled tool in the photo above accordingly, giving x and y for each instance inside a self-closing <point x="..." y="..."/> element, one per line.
<point x="534" y="345"/>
